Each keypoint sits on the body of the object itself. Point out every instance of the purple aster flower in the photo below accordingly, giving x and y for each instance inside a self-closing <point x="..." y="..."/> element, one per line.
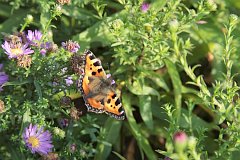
<point x="69" y="81"/>
<point x="71" y="46"/>
<point x="43" y="52"/>
<point x="48" y="47"/>
<point x="37" y="140"/>
<point x="109" y="77"/>
<point x="3" y="77"/>
<point x="145" y="7"/>
<point x="15" y="52"/>
<point x="34" y="37"/>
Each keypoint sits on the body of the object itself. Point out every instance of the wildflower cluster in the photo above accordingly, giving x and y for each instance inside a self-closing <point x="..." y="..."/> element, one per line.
<point x="37" y="65"/>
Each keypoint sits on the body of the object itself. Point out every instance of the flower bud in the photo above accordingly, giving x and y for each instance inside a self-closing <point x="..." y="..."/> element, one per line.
<point x="50" y="156"/>
<point x="73" y="148"/>
<point x="71" y="46"/>
<point x="57" y="131"/>
<point x="58" y="10"/>
<point x="148" y="27"/>
<point x="192" y="142"/>
<point x="64" y="122"/>
<point x="29" y="18"/>
<point x="62" y="2"/>
<point x="83" y="153"/>
<point x="180" y="141"/>
<point x="43" y="52"/>
<point x="173" y="25"/>
<point x="74" y="113"/>
<point x="233" y="20"/>
<point x="211" y="5"/>
<point x="117" y="24"/>
<point x="65" y="101"/>
<point x="145" y="7"/>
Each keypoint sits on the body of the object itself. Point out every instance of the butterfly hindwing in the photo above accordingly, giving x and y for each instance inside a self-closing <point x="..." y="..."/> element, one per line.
<point x="97" y="90"/>
<point x="113" y="106"/>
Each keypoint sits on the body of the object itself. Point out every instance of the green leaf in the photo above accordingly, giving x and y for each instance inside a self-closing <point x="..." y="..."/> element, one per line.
<point x="135" y="130"/>
<point x="45" y="15"/>
<point x="13" y="21"/>
<point x="158" y="5"/>
<point x="38" y="89"/>
<point x="177" y="85"/>
<point x="16" y="83"/>
<point x="79" y="14"/>
<point x="26" y="116"/>
<point x="119" y="156"/>
<point x="111" y="134"/>
<point x="139" y="89"/>
<point x="5" y="10"/>
<point x="99" y="32"/>
<point x="196" y="122"/>
<point x="146" y="110"/>
<point x="159" y="81"/>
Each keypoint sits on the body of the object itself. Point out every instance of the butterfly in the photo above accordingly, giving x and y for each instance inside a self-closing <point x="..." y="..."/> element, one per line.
<point x="97" y="88"/>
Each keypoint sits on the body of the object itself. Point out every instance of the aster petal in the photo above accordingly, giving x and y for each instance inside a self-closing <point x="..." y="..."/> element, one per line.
<point x="63" y="44"/>
<point x="30" y="35"/>
<point x="38" y="35"/>
<point x="26" y="50"/>
<point x="42" y="150"/>
<point x="39" y="131"/>
<point x="33" y="131"/>
<point x="3" y="78"/>
<point x="26" y="133"/>
<point x="30" y="127"/>
<point x="47" y="145"/>
<point x="45" y="137"/>
<point x="6" y="47"/>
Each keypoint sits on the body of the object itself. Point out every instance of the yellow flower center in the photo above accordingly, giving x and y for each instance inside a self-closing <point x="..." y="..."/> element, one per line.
<point x="33" y="141"/>
<point x="16" y="51"/>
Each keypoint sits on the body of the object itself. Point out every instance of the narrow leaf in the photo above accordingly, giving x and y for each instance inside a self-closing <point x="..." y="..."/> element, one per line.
<point x="38" y="89"/>
<point x="177" y="85"/>
<point x="146" y="110"/>
<point x="142" y="141"/>
<point x="110" y="134"/>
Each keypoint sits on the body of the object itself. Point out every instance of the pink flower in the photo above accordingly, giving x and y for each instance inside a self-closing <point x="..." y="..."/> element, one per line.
<point x="180" y="139"/>
<point x="145" y="6"/>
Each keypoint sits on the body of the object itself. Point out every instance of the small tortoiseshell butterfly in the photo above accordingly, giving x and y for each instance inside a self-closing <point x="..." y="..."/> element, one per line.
<point x="97" y="89"/>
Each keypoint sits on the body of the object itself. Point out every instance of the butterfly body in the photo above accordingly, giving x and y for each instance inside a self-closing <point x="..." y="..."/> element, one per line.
<point x="97" y="89"/>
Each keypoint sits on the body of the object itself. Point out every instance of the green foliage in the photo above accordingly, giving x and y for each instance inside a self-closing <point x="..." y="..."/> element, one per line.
<point x="176" y="64"/>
